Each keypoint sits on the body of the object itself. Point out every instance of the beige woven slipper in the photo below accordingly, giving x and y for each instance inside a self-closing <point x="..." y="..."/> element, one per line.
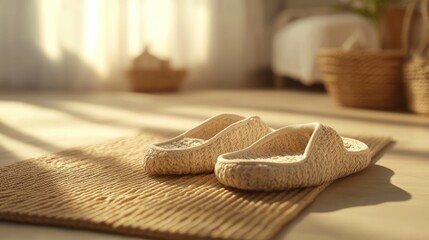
<point x="196" y="150"/>
<point x="292" y="157"/>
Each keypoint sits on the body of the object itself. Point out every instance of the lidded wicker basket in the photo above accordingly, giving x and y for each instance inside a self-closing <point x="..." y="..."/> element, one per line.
<point x="360" y="78"/>
<point x="416" y="70"/>
<point x="151" y="74"/>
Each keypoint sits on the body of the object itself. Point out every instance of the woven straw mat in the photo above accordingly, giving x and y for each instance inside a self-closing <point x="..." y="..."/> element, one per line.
<point x="102" y="187"/>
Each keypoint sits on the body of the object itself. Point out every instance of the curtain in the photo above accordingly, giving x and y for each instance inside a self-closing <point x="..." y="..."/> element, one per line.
<point x="89" y="44"/>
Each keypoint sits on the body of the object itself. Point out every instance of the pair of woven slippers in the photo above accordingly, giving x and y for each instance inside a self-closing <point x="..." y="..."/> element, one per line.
<point x="246" y="154"/>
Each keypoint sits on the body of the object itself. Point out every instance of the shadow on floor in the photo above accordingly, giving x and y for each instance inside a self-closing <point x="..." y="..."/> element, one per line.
<point x="26" y="138"/>
<point x="369" y="187"/>
<point x="7" y="157"/>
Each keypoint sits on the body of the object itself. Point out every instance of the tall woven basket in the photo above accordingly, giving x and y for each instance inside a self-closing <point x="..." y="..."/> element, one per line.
<point x="416" y="69"/>
<point x="365" y="79"/>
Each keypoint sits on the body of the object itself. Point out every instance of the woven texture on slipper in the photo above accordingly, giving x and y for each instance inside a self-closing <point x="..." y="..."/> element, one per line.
<point x="102" y="187"/>
<point x="320" y="154"/>
<point x="219" y="137"/>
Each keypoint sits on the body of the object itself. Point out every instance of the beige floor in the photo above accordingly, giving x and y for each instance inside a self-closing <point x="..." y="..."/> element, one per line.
<point x="387" y="201"/>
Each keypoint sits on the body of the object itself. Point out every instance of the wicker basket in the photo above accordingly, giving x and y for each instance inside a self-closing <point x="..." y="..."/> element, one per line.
<point x="417" y="85"/>
<point x="156" y="80"/>
<point x="416" y="70"/>
<point x="366" y="79"/>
